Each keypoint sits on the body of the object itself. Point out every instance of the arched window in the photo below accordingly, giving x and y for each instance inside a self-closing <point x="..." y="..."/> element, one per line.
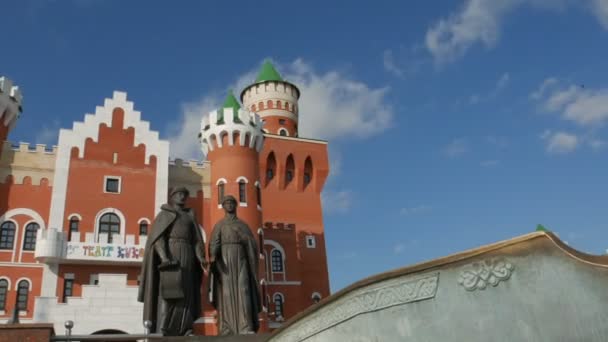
<point x="3" y="291"/>
<point x="74" y="223"/>
<point x="307" y="171"/>
<point x="316" y="297"/>
<point x="109" y="223"/>
<point x="269" y="104"/>
<point x="261" y="106"/>
<point x="271" y="167"/>
<point x="278" y="304"/>
<point x="289" y="169"/>
<point x="220" y="193"/>
<point x="242" y="192"/>
<point x="283" y="132"/>
<point x="143" y="228"/>
<point x="279" y="104"/>
<point x="29" y="241"/>
<point x="7" y="235"/>
<point x="277" y="260"/>
<point x="23" y="289"/>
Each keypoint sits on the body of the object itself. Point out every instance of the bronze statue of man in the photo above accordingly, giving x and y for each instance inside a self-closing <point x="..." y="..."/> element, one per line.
<point x="172" y="269"/>
<point x="234" y="272"/>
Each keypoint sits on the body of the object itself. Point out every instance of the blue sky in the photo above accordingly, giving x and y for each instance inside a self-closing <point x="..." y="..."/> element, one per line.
<point x="450" y="126"/>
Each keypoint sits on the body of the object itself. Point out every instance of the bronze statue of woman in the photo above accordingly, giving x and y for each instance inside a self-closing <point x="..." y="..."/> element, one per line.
<point x="234" y="265"/>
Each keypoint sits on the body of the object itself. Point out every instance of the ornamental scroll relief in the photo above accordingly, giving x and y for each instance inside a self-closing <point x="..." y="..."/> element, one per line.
<point x="478" y="275"/>
<point x="375" y="297"/>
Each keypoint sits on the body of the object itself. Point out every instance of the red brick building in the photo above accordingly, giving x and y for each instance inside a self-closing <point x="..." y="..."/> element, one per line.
<point x="74" y="218"/>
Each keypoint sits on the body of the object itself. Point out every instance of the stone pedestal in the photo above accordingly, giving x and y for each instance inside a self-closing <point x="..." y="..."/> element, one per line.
<point x="30" y="332"/>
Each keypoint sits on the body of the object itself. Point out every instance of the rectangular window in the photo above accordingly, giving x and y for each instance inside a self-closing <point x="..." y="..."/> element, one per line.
<point x="112" y="185"/>
<point x="143" y="228"/>
<point x="281" y="121"/>
<point x="68" y="286"/>
<point x="220" y="193"/>
<point x="74" y="225"/>
<point x="258" y="193"/>
<point x="310" y="241"/>
<point x="242" y="192"/>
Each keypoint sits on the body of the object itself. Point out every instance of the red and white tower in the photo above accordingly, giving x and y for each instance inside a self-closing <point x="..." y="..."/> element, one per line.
<point x="275" y="100"/>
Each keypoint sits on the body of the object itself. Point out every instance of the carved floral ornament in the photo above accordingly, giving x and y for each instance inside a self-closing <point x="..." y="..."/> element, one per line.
<point x="478" y="275"/>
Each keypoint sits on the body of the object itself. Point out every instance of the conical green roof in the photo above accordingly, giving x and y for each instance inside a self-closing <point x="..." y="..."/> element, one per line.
<point x="268" y="73"/>
<point x="229" y="102"/>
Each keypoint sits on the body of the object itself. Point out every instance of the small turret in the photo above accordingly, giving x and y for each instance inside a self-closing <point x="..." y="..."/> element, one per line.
<point x="10" y="106"/>
<point x="275" y="100"/>
<point x="231" y="138"/>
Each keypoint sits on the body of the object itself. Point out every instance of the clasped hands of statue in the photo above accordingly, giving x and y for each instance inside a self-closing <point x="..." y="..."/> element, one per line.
<point x="168" y="264"/>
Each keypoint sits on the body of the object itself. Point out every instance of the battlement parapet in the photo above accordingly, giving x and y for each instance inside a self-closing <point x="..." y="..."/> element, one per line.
<point x="191" y="163"/>
<point x="10" y="101"/>
<point x="29" y="148"/>
<point x="227" y="122"/>
<point x="272" y="98"/>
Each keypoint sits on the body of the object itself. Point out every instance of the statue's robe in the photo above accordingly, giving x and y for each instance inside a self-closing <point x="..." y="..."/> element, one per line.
<point x="234" y="285"/>
<point x="172" y="316"/>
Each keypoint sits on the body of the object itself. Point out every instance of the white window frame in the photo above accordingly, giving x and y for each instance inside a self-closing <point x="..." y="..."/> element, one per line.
<point x="105" y="182"/>
<point x="311" y="241"/>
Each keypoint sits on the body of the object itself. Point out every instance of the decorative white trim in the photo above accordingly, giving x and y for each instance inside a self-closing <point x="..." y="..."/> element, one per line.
<point x="291" y="282"/>
<point x="317" y="294"/>
<point x="143" y="219"/>
<point x="15" y="238"/>
<point x="313" y="241"/>
<point x="77" y="136"/>
<point x="276" y="245"/>
<point x="75" y="215"/>
<point x="121" y="216"/>
<point x="23" y="264"/>
<point x="8" y="280"/>
<point x="282" y="129"/>
<point x="240" y="121"/>
<point x="313" y="141"/>
<point x="221" y="181"/>
<point x="29" y="281"/>
<point x="105" y="182"/>
<point x="242" y="178"/>
<point x="23" y="211"/>
<point x="68" y="276"/>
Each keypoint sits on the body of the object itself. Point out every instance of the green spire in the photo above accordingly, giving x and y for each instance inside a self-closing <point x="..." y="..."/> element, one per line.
<point x="541" y="228"/>
<point x="229" y="102"/>
<point x="268" y="73"/>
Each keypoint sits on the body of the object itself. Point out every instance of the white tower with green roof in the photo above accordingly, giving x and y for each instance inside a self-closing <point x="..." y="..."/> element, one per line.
<point x="275" y="100"/>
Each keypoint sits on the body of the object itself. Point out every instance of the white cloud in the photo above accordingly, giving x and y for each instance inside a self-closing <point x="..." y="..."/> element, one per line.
<point x="540" y="92"/>
<point x="597" y="144"/>
<point x="336" y="201"/>
<point x="420" y="209"/>
<point x="399" y="248"/>
<point x="560" y="142"/>
<point x="48" y="134"/>
<point x="584" y="106"/>
<point x="480" y="21"/>
<point x="389" y="64"/>
<point x="456" y="148"/>
<point x="600" y="10"/>
<point x="503" y="81"/>
<point x="489" y="163"/>
<point x="332" y="106"/>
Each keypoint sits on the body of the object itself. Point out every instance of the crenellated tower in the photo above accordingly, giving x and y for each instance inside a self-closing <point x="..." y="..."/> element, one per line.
<point x="275" y="100"/>
<point x="10" y="106"/>
<point x="231" y="138"/>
